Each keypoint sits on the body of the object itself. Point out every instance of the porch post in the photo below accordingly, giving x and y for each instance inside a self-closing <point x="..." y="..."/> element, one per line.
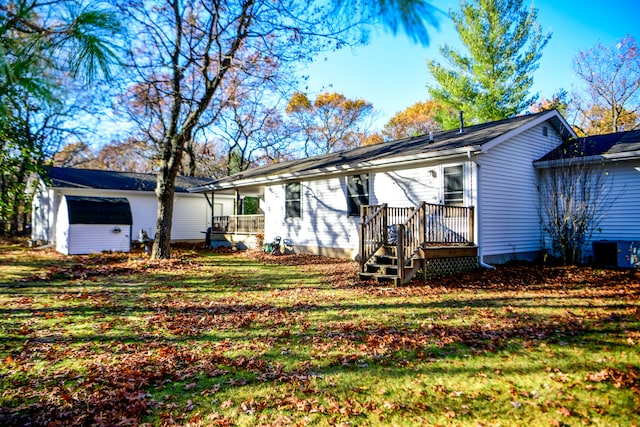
<point x="235" y="211"/>
<point x="213" y="209"/>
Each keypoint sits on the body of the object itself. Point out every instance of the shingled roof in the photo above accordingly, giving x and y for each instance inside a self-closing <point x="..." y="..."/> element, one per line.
<point x="611" y="146"/>
<point x="437" y="144"/>
<point x="112" y="180"/>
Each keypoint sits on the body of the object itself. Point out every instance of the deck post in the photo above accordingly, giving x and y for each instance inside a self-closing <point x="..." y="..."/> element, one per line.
<point x="361" y="245"/>
<point x="472" y="236"/>
<point x="385" y="220"/>
<point x="421" y="223"/>
<point x="400" y="253"/>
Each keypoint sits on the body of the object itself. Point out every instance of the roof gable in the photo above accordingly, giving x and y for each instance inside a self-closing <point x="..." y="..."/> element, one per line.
<point x="112" y="180"/>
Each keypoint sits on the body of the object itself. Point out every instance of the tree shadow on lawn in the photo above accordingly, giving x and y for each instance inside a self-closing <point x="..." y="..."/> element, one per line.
<point x="116" y="385"/>
<point x="183" y="340"/>
<point x="111" y="392"/>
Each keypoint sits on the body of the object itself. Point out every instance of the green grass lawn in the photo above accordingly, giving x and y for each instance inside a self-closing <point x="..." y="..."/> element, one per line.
<point x="248" y="339"/>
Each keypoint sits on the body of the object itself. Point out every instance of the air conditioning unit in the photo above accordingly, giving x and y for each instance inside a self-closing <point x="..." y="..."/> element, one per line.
<point x="620" y="253"/>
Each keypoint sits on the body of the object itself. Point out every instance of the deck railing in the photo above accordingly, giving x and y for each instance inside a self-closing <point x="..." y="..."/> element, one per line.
<point x="373" y="231"/>
<point x="412" y="228"/>
<point x="243" y="224"/>
<point x="448" y="224"/>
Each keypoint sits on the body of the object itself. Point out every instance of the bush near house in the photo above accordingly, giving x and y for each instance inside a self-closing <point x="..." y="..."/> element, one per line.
<point x="245" y="338"/>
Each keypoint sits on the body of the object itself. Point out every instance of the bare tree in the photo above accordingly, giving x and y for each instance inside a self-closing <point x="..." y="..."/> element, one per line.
<point x="573" y="200"/>
<point x="182" y="53"/>
<point x="612" y="78"/>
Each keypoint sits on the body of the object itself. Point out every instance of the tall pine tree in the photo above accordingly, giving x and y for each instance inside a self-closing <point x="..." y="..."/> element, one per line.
<point x="491" y="81"/>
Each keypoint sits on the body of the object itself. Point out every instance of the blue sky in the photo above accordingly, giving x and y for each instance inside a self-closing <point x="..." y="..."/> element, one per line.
<point x="391" y="71"/>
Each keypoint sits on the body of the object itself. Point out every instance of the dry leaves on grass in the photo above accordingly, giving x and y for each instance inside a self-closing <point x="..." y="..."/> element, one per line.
<point x="113" y="387"/>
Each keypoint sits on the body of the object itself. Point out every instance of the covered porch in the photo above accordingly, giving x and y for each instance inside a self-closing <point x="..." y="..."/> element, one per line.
<point x="239" y="223"/>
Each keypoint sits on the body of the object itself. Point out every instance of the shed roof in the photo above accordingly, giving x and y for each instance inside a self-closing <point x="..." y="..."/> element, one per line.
<point x="437" y="144"/>
<point x="112" y="180"/>
<point x="99" y="210"/>
<point x="612" y="146"/>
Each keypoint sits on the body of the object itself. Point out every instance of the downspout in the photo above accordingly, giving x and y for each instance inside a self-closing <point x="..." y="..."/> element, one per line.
<point x="481" y="263"/>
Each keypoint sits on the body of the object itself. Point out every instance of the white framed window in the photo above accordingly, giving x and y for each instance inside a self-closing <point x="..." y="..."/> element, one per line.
<point x="293" y="200"/>
<point x="357" y="193"/>
<point x="454" y="185"/>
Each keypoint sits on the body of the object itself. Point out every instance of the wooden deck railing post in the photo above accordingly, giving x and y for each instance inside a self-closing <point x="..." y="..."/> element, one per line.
<point x="422" y="223"/>
<point x="400" y="253"/>
<point x="361" y="246"/>
<point x="385" y="223"/>
<point x="472" y="234"/>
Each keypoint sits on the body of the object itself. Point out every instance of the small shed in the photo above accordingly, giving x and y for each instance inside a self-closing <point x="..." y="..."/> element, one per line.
<point x="93" y="224"/>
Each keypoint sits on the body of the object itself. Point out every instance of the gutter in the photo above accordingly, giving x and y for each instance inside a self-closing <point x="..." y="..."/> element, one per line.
<point x="627" y="155"/>
<point x="544" y="164"/>
<point x="337" y="170"/>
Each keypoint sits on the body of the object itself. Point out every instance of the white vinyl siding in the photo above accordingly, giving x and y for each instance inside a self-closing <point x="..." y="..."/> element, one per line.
<point x="43" y="215"/>
<point x="324" y="223"/>
<point x="407" y="187"/>
<point x="191" y="213"/>
<point x="622" y="203"/>
<point x="191" y="217"/>
<point x="62" y="229"/>
<point x="508" y="207"/>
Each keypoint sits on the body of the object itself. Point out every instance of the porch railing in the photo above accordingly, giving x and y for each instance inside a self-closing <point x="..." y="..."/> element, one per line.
<point x="245" y="224"/>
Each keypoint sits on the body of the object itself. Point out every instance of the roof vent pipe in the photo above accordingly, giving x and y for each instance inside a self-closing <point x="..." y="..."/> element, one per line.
<point x="461" y="122"/>
<point x="430" y="136"/>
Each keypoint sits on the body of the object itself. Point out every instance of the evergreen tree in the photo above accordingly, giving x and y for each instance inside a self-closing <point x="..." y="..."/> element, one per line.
<point x="492" y="81"/>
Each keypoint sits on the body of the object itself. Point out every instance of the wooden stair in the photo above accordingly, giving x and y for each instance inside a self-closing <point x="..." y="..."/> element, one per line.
<point x="383" y="267"/>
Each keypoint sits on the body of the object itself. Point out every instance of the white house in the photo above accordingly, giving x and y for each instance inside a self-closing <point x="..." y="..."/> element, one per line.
<point x="191" y="217"/>
<point x="316" y="202"/>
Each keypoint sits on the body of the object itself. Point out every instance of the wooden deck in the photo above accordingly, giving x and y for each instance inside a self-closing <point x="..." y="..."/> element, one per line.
<point x="397" y="243"/>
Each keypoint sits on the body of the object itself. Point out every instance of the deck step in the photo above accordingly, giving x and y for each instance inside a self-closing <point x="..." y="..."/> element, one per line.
<point x="382" y="268"/>
<point x="379" y="277"/>
<point x="386" y="260"/>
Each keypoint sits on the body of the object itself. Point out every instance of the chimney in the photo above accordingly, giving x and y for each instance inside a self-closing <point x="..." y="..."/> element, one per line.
<point x="461" y="122"/>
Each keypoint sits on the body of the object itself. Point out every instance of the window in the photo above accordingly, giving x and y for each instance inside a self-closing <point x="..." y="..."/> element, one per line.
<point x="453" y="186"/>
<point x="357" y="193"/>
<point x="292" y="203"/>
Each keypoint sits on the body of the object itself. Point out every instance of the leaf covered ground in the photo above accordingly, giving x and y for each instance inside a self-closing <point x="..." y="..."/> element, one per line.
<point x="245" y="338"/>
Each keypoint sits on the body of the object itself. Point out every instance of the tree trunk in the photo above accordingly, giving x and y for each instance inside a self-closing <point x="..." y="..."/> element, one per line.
<point x="162" y="242"/>
<point x="165" y="190"/>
